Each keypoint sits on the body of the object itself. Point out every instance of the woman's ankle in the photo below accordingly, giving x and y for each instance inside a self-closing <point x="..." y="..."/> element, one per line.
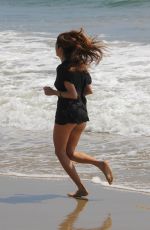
<point x="81" y="188"/>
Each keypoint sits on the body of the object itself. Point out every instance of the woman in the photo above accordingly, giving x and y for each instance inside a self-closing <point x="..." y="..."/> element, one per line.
<point x="73" y="82"/>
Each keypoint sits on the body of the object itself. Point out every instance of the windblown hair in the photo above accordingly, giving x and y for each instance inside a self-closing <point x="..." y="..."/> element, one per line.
<point x="79" y="49"/>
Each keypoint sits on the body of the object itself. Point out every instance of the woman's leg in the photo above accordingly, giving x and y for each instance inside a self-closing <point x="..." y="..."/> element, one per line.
<point x="84" y="158"/>
<point x="60" y="136"/>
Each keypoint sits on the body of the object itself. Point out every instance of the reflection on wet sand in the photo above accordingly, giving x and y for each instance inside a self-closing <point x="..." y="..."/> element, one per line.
<point x="71" y="218"/>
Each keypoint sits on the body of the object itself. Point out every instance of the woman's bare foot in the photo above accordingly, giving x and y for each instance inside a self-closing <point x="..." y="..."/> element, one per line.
<point x="104" y="167"/>
<point x="78" y="193"/>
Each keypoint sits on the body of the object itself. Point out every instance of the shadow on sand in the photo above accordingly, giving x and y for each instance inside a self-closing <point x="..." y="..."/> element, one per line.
<point x="21" y="198"/>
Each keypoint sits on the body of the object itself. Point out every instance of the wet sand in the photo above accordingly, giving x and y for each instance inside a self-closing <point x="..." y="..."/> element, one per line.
<point x="43" y="204"/>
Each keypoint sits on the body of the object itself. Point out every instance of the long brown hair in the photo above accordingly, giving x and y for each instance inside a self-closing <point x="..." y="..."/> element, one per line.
<point x="80" y="49"/>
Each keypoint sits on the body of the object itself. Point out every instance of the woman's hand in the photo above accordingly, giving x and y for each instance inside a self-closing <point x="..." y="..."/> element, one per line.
<point x="49" y="91"/>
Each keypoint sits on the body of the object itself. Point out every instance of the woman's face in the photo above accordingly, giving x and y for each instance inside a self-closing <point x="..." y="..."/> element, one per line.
<point x="59" y="52"/>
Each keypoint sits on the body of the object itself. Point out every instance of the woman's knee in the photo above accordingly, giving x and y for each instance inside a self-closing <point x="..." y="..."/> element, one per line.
<point x="59" y="152"/>
<point x="70" y="153"/>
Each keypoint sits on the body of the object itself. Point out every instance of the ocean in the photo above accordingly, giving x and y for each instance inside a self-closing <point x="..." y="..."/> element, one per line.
<point x="119" y="109"/>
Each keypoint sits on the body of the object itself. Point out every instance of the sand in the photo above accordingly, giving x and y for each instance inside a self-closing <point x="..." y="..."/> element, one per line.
<point x="40" y="204"/>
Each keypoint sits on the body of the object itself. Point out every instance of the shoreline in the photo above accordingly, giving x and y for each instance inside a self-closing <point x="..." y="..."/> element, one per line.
<point x="101" y="183"/>
<point x="43" y="204"/>
<point x="122" y="153"/>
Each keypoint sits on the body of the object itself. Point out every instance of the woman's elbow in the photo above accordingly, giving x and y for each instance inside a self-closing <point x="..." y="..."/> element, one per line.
<point x="88" y="92"/>
<point x="74" y="96"/>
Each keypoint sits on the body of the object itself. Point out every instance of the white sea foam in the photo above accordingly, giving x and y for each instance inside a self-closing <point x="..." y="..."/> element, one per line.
<point x="35" y="176"/>
<point x="120" y="103"/>
<point x="97" y="180"/>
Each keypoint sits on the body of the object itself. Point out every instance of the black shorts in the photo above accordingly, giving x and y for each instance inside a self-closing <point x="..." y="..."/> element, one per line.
<point x="71" y="111"/>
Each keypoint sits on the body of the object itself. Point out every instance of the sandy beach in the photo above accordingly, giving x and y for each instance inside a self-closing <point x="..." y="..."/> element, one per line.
<point x="43" y="204"/>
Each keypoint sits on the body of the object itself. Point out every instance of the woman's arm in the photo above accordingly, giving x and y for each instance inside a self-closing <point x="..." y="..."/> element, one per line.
<point x="88" y="90"/>
<point x="69" y="93"/>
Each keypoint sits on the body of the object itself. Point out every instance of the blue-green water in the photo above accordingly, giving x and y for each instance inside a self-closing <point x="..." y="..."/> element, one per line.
<point x="127" y="20"/>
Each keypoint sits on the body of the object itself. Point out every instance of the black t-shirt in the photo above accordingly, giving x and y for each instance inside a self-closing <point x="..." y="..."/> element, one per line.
<point x="71" y="110"/>
<point x="79" y="79"/>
